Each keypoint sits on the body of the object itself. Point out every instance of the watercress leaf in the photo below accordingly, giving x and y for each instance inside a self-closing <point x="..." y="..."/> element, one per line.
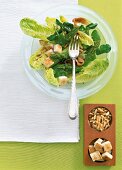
<point x="95" y="35"/>
<point x="64" y="70"/>
<point x="105" y="48"/>
<point x="89" y="55"/>
<point x="58" y="39"/>
<point x="62" y="38"/>
<point x="82" y="28"/>
<point x="96" y="38"/>
<point x="59" y="72"/>
<point x="52" y="37"/>
<point x="60" y="57"/>
<point x="59" y="23"/>
<point x="67" y="26"/>
<point x="71" y="34"/>
<point x="88" y="58"/>
<point x="91" y="26"/>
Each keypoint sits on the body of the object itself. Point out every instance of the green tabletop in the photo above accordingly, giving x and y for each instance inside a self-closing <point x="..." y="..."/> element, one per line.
<point x="32" y="156"/>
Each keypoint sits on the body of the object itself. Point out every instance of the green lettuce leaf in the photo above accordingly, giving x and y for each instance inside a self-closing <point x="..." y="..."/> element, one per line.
<point x="51" y="22"/>
<point x="33" y="29"/>
<point x="63" y="19"/>
<point x="49" y="76"/>
<point x="85" y="39"/>
<point x="93" y="70"/>
<point x="37" y="59"/>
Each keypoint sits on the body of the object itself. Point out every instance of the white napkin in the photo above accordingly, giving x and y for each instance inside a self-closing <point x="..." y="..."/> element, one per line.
<point x="26" y="114"/>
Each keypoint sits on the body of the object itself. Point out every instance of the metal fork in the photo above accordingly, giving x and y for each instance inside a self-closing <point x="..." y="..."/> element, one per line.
<point x="73" y="53"/>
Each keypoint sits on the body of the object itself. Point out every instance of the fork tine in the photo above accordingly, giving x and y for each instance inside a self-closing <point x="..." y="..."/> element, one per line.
<point x="70" y="45"/>
<point x="77" y="43"/>
<point x="74" y="45"/>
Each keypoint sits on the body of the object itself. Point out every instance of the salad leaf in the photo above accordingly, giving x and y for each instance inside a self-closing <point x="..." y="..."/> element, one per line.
<point x="33" y="29"/>
<point x="37" y="59"/>
<point x="60" y="57"/>
<point x="71" y="34"/>
<point x="91" y="26"/>
<point x="68" y="26"/>
<point x="95" y="35"/>
<point x="93" y="70"/>
<point x="96" y="38"/>
<point x="85" y="39"/>
<point x="59" y="72"/>
<point x="105" y="48"/>
<point x="59" y="23"/>
<point x="65" y="26"/>
<point x="82" y="28"/>
<point x="64" y="70"/>
<point x="63" y="19"/>
<point x="51" y="22"/>
<point x="49" y="76"/>
<point x="63" y="39"/>
<point x="90" y="56"/>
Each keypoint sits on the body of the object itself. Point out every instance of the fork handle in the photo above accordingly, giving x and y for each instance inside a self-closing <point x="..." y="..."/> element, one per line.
<point x="73" y="105"/>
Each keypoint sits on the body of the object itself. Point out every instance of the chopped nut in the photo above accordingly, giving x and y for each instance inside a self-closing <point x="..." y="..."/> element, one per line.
<point x="102" y="118"/>
<point x="100" y="110"/>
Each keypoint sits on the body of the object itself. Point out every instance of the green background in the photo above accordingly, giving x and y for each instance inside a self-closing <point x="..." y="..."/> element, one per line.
<point x="32" y="156"/>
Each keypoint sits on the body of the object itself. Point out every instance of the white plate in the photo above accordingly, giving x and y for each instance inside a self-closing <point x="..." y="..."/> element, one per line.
<point x="30" y="45"/>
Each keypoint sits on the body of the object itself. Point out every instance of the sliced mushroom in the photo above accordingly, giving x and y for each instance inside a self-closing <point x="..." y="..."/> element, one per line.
<point x="80" y="20"/>
<point x="79" y="61"/>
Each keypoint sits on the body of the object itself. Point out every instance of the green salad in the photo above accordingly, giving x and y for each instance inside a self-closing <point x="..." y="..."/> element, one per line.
<point x="53" y="58"/>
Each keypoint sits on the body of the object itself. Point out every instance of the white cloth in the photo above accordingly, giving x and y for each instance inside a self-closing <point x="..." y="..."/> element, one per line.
<point x="26" y="114"/>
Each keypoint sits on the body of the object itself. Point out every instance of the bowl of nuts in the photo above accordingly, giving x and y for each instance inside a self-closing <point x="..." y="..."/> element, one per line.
<point x="100" y="118"/>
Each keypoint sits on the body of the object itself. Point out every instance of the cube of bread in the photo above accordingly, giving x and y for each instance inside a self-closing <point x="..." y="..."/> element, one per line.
<point x="91" y="149"/>
<point x="63" y="80"/>
<point x="96" y="156"/>
<point x="107" y="156"/>
<point x="107" y="146"/>
<point x="98" y="141"/>
<point x="98" y="147"/>
<point x="58" y="48"/>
